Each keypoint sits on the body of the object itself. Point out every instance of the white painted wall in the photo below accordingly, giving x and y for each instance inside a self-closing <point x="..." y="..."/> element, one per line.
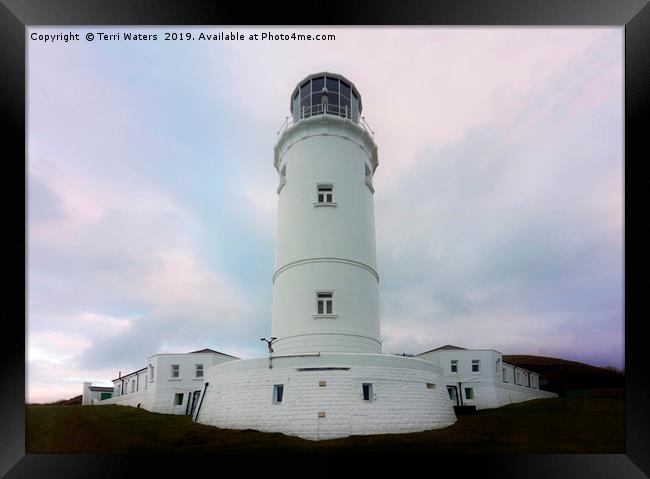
<point x="325" y="247"/>
<point x="489" y="389"/>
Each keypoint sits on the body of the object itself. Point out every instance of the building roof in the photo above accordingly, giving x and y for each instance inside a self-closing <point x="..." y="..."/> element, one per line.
<point x="101" y="389"/>
<point x="445" y="347"/>
<point x="130" y="374"/>
<point x="212" y="351"/>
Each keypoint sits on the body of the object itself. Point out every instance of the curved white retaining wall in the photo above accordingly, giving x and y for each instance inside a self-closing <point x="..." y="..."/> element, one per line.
<point x="240" y="396"/>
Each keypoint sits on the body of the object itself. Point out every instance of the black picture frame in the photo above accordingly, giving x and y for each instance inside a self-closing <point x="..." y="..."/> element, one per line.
<point x="16" y="15"/>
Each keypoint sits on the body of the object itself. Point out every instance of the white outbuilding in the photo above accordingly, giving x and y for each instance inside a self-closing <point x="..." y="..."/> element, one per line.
<point x="480" y="378"/>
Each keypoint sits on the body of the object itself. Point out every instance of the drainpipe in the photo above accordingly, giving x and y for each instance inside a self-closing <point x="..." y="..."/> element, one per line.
<point x="196" y="416"/>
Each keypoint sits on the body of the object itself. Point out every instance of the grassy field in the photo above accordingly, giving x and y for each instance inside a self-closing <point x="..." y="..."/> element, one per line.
<point x="563" y="425"/>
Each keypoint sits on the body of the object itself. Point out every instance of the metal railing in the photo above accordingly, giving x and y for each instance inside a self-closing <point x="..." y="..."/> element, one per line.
<point x="315" y="110"/>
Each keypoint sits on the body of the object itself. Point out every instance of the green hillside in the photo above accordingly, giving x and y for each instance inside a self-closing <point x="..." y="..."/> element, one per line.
<point x="571" y="377"/>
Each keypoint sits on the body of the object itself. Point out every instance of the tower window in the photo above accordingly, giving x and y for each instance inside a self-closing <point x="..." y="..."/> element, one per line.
<point x="175" y="370"/>
<point x="278" y="390"/>
<point x="454" y="365"/>
<point x="368" y="178"/>
<point x="325" y="303"/>
<point x="476" y="363"/>
<point x="325" y="194"/>
<point x="151" y="371"/>
<point x="367" y="391"/>
<point x="283" y="177"/>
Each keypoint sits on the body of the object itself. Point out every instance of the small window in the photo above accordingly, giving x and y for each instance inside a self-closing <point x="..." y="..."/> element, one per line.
<point x="175" y="370"/>
<point x="132" y="386"/>
<point x="103" y="396"/>
<point x="367" y="392"/>
<point x="178" y="399"/>
<point x="476" y="365"/>
<point x="278" y="390"/>
<point x="283" y="177"/>
<point x="151" y="371"/>
<point x="145" y="381"/>
<point x="503" y="372"/>
<point x="431" y="386"/>
<point x="454" y="365"/>
<point x="325" y="303"/>
<point x="198" y="370"/>
<point x="325" y="194"/>
<point x="469" y="393"/>
<point x="450" y="391"/>
<point x="368" y="178"/>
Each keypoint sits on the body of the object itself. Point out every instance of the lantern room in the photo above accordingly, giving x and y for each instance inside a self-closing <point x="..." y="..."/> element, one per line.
<point x="325" y="94"/>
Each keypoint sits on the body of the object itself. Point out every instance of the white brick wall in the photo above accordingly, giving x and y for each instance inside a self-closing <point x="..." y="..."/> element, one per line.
<point x="241" y="398"/>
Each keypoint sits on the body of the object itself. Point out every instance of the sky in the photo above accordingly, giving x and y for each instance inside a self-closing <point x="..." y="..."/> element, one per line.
<point x="151" y="191"/>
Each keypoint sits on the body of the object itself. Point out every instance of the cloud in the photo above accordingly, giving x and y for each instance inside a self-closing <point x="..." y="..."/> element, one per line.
<point x="514" y="230"/>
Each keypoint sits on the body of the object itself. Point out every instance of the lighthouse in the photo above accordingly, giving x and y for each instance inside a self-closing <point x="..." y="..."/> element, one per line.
<point x="325" y="280"/>
<point x="325" y="376"/>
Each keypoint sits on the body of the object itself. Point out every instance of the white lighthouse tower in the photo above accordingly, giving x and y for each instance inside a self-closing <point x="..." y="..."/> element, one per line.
<point x="325" y="282"/>
<point x="326" y="376"/>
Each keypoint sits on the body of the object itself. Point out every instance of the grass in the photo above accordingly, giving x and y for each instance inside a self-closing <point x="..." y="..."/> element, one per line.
<point x="562" y="425"/>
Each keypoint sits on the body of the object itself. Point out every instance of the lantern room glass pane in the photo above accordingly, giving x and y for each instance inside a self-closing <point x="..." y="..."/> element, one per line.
<point x="345" y="89"/>
<point x="346" y="107"/>
<point x="316" y="100"/>
<point x="304" y="107"/>
<point x="333" y="85"/>
<point x="317" y="84"/>
<point x="304" y="90"/>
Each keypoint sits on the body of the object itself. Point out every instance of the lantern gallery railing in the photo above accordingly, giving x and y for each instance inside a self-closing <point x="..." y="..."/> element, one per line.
<point x="324" y="109"/>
